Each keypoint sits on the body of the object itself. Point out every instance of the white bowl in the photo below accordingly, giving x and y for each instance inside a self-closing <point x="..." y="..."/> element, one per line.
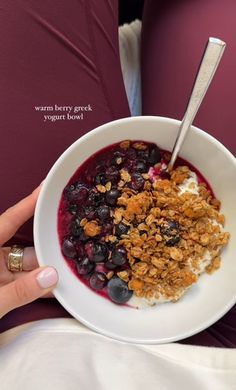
<point x="205" y="302"/>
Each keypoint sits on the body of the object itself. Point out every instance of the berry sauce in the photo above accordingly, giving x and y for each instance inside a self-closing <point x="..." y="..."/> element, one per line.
<point x="91" y="257"/>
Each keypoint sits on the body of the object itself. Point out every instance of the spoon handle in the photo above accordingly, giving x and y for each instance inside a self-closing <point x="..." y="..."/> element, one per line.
<point x="210" y="61"/>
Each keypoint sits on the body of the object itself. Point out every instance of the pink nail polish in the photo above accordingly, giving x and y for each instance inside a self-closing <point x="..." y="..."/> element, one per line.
<point x="48" y="277"/>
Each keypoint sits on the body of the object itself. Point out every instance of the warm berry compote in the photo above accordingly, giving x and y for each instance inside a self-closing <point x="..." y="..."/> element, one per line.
<point x="90" y="240"/>
<point x="125" y="228"/>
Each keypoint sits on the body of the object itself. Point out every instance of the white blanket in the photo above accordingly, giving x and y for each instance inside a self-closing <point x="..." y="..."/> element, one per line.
<point x="61" y="354"/>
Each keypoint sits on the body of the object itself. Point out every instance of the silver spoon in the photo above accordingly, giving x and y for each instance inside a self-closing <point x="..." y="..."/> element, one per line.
<point x="210" y="61"/>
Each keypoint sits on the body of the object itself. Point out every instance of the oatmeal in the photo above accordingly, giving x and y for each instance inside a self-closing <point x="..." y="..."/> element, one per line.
<point x="135" y="235"/>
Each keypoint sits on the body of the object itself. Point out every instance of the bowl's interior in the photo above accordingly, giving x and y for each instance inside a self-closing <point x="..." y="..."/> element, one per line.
<point x="206" y="302"/>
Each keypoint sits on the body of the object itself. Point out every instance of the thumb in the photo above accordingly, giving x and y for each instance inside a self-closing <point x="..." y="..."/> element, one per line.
<point x="24" y="290"/>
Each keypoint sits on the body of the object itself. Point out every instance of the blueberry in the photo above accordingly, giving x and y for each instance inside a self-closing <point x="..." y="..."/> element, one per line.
<point x="110" y="265"/>
<point x="83" y="237"/>
<point x="173" y="241"/>
<point x="85" y="266"/>
<point x="173" y="225"/>
<point x="94" y="198"/>
<point x="141" y="166"/>
<point x="112" y="174"/>
<point x="117" y="159"/>
<point x="96" y="251"/>
<point x="170" y="228"/>
<point x="107" y="229"/>
<point x="70" y="192"/>
<point x="130" y="165"/>
<point x="131" y="154"/>
<point x="120" y="229"/>
<point x="82" y="194"/>
<point x="154" y="155"/>
<point x="118" y="290"/>
<point x="90" y="212"/>
<point x="80" y="251"/>
<point x="69" y="248"/>
<point x="73" y="208"/>
<point x="76" y="192"/>
<point x="137" y="181"/>
<point x="77" y="219"/>
<point x="76" y="229"/>
<point x="112" y="196"/>
<point x="103" y="213"/>
<point x="89" y="249"/>
<point x="111" y="245"/>
<point x="141" y="232"/>
<point x="119" y="256"/>
<point x="98" y="280"/>
<point x="143" y="154"/>
<point x="100" y="252"/>
<point x="100" y="178"/>
<point x="171" y="233"/>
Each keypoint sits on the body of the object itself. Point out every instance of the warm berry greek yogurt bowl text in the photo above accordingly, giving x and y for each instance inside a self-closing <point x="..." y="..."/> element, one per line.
<point x="135" y="250"/>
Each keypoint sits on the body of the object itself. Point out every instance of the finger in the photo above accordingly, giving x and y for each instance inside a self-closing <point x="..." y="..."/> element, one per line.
<point x="29" y="260"/>
<point x="17" y="275"/>
<point x="17" y="215"/>
<point x="24" y="290"/>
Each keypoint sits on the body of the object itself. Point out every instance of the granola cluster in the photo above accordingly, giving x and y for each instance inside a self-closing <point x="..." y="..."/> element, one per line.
<point x="170" y="234"/>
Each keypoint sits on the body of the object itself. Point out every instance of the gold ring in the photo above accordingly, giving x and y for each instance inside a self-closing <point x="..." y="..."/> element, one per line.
<point x="15" y="258"/>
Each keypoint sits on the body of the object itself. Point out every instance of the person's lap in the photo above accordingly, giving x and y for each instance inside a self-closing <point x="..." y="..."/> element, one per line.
<point x="69" y="56"/>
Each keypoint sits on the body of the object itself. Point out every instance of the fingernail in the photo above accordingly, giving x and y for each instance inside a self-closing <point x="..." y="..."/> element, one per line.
<point x="47" y="277"/>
